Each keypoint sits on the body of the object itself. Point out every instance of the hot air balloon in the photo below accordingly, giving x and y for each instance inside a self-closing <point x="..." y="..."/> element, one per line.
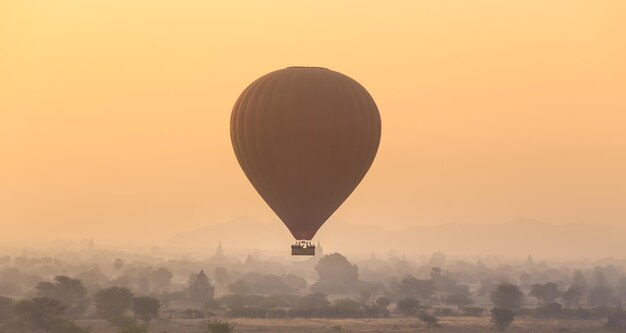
<point x="305" y="137"/>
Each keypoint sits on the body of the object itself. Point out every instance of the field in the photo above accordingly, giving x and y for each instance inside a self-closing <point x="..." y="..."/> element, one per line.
<point x="399" y="325"/>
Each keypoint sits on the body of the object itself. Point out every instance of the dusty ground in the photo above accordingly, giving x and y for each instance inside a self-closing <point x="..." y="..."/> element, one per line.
<point x="396" y="325"/>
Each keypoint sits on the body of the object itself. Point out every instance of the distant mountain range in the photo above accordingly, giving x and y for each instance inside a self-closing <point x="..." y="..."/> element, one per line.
<point x="514" y="238"/>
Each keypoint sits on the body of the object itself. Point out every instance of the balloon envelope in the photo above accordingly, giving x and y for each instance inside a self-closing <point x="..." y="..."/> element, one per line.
<point x="305" y="137"/>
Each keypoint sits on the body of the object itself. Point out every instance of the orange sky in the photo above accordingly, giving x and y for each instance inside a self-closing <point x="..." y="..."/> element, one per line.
<point x="114" y="115"/>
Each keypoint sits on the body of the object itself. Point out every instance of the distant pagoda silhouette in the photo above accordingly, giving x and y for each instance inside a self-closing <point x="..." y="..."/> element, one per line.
<point x="219" y="253"/>
<point x="319" y="251"/>
<point x="249" y="259"/>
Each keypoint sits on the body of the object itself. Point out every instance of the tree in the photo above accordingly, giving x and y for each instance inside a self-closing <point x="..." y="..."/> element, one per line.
<point x="546" y="293"/>
<point x="311" y="305"/>
<point x="6" y="308"/>
<point x="118" y="264"/>
<point x="221" y="275"/>
<point x="621" y="289"/>
<point x="413" y="287"/>
<point x="9" y="280"/>
<point x="258" y="283"/>
<point x="294" y="281"/>
<point x="70" y="292"/>
<point x="146" y="308"/>
<point x="161" y="278"/>
<point x="578" y="279"/>
<point x="600" y="295"/>
<point x="572" y="296"/>
<point x="408" y="306"/>
<point x="313" y="301"/>
<point x="549" y="310"/>
<point x="41" y="312"/>
<point x="438" y="259"/>
<point x="428" y="319"/>
<point x="459" y="300"/>
<point x="617" y="320"/>
<point x="336" y="274"/>
<point x="502" y="318"/>
<point x="113" y="304"/>
<point x="383" y="302"/>
<point x="239" y="287"/>
<point x="44" y="313"/>
<point x="507" y="296"/>
<point x="345" y="308"/>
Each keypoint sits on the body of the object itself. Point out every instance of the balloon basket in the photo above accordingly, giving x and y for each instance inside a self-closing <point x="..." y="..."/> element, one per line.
<point x="306" y="251"/>
<point x="303" y="248"/>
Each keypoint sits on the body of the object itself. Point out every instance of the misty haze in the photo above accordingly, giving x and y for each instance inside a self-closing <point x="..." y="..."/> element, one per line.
<point x="308" y="167"/>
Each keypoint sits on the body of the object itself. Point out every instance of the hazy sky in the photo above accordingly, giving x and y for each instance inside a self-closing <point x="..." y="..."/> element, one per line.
<point x="114" y="115"/>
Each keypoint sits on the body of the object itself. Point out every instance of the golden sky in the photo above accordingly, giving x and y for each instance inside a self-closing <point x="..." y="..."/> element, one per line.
<point x="114" y="115"/>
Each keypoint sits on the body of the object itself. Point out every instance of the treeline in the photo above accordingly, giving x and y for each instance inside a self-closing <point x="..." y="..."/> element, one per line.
<point x="133" y="295"/>
<point x="57" y="304"/>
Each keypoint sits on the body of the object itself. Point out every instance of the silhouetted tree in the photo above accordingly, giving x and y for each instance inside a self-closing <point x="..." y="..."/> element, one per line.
<point x="9" y="280"/>
<point x="6" y="308"/>
<point x="114" y="304"/>
<point x="507" y="296"/>
<point x="616" y="320"/>
<point x="473" y="311"/>
<point x="502" y="318"/>
<point x="314" y="304"/>
<point x="383" y="302"/>
<point x="146" y="308"/>
<point x="221" y="276"/>
<point x="70" y="292"/>
<point x="546" y="293"/>
<point x="258" y="283"/>
<point x="621" y="289"/>
<point x="438" y="259"/>
<point x="239" y="287"/>
<point x="41" y="312"/>
<point x="45" y="314"/>
<point x="458" y="300"/>
<point x="118" y="264"/>
<point x="573" y="296"/>
<point x="428" y="319"/>
<point x="411" y="286"/>
<point x="294" y="281"/>
<point x="408" y="306"/>
<point x="578" y="279"/>
<point x="161" y="278"/>
<point x="336" y="274"/>
<point x="345" y="308"/>
<point x="549" y="310"/>
<point x="92" y="279"/>
<point x="600" y="295"/>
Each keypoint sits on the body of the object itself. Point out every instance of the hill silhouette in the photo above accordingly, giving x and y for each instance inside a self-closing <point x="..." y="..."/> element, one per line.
<point x="514" y="238"/>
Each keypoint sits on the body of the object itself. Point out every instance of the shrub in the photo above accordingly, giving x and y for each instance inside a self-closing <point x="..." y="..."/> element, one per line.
<point x="428" y="320"/>
<point x="192" y="314"/>
<point x="408" y="306"/>
<point x="443" y="312"/>
<point x="219" y="326"/>
<point x="472" y="311"/>
<point x="616" y="320"/>
<point x="502" y="317"/>
<point x="549" y="310"/>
